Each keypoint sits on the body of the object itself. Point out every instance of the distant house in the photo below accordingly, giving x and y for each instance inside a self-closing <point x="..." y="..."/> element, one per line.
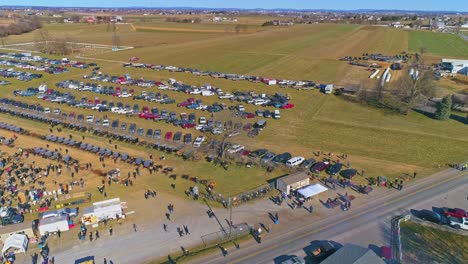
<point x="439" y="24"/>
<point x="397" y="25"/>
<point x="282" y="23"/>
<point x="353" y="254"/>
<point x="90" y="19"/>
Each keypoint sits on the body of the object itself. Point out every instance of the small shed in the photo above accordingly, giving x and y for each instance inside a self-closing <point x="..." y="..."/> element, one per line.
<point x="292" y="182"/>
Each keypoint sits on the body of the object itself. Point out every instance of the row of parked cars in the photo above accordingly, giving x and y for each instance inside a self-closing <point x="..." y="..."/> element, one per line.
<point x="24" y="59"/>
<point x="19" y="75"/>
<point x="278" y="100"/>
<point x="228" y="76"/>
<point x="122" y="80"/>
<point x="52" y="69"/>
<point x="454" y="217"/>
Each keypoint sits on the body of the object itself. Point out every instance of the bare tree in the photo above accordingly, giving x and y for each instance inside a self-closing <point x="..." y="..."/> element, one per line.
<point x="43" y="41"/>
<point x="415" y="84"/>
<point x="3" y="34"/>
<point x="230" y="130"/>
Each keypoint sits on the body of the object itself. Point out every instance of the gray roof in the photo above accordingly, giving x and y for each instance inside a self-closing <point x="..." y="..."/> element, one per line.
<point x="353" y="254"/>
<point x="293" y="178"/>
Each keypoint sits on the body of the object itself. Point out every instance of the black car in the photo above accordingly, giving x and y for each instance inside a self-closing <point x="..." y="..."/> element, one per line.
<point x="282" y="158"/>
<point x="188" y="138"/>
<point x="177" y="137"/>
<point x="258" y="153"/>
<point x="432" y="216"/>
<point x="308" y="163"/>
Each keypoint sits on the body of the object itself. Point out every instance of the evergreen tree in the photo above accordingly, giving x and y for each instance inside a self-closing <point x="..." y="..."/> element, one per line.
<point x="444" y="108"/>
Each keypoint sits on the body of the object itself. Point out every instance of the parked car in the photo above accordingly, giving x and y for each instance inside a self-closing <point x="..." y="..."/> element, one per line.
<point x="198" y="141"/>
<point x="267" y="157"/>
<point x="168" y="136"/>
<point x="258" y="153"/>
<point x="235" y="148"/>
<point x="432" y="216"/>
<point x="455" y="212"/>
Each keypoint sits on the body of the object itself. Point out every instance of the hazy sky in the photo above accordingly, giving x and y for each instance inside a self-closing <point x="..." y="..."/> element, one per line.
<point x="452" y="5"/>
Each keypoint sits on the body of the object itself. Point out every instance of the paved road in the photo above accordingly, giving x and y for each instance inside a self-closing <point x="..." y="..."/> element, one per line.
<point x="370" y="220"/>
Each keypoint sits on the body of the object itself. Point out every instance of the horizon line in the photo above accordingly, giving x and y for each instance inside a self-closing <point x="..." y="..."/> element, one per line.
<point x="241" y="8"/>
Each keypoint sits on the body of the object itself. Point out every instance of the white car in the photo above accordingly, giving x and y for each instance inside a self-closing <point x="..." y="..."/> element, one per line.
<point x="226" y="96"/>
<point x="207" y="93"/>
<point x="46" y="110"/>
<point x="105" y="123"/>
<point x="241" y="108"/>
<point x="115" y="109"/>
<point x="202" y="120"/>
<point x="96" y="107"/>
<point x="217" y="131"/>
<point x="235" y="148"/>
<point x="198" y="141"/>
<point x="196" y="91"/>
<point x="125" y="95"/>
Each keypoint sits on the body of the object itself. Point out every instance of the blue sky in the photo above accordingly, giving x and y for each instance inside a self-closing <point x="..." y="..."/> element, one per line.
<point x="450" y="5"/>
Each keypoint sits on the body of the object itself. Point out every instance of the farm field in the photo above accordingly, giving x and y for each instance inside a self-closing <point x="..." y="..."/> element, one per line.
<point x="378" y="142"/>
<point x="439" y="44"/>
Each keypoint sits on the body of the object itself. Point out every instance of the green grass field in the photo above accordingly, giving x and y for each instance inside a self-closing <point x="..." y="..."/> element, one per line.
<point x="439" y="44"/>
<point x="423" y="244"/>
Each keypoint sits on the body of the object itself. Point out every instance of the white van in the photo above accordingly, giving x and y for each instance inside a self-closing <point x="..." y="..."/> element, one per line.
<point x="295" y="161"/>
<point x="276" y="114"/>
<point x="46" y="110"/>
<point x="258" y="101"/>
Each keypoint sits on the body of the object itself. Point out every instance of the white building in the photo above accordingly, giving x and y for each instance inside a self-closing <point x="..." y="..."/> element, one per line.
<point x="459" y="66"/>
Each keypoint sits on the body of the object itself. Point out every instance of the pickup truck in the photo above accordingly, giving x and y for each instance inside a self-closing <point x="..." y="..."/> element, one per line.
<point x="455" y="212"/>
<point x="322" y="251"/>
<point x="458" y="223"/>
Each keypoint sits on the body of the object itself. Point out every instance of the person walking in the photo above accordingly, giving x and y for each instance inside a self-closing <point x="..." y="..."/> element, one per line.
<point x="110" y="231"/>
<point x="90" y="236"/>
<point x="135" y="227"/>
<point x="97" y="235"/>
<point x="165" y="227"/>
<point x="186" y="230"/>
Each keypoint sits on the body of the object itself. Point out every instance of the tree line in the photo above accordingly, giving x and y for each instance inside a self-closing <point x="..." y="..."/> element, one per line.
<point x="184" y="20"/>
<point x="20" y="26"/>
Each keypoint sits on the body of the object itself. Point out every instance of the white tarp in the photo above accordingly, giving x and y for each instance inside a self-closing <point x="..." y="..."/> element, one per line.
<point x="312" y="190"/>
<point x="17" y="241"/>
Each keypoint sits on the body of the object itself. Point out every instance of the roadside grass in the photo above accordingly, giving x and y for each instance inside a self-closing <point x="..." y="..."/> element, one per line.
<point x="440" y="44"/>
<point x="423" y="244"/>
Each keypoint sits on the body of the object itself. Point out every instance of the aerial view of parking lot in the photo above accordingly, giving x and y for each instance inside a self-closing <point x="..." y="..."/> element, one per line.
<point x="281" y="132"/>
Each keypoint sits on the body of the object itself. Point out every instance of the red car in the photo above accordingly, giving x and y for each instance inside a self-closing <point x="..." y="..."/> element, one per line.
<point x="248" y="115"/>
<point x="188" y="125"/>
<point x="244" y="152"/>
<point x="455" y="212"/>
<point x="287" y="106"/>
<point x="183" y="104"/>
<point x="320" y="166"/>
<point x="168" y="136"/>
<point x="148" y="115"/>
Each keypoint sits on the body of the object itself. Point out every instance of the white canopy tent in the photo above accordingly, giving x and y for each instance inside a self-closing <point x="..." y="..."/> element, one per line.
<point x="17" y="241"/>
<point x="312" y="190"/>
